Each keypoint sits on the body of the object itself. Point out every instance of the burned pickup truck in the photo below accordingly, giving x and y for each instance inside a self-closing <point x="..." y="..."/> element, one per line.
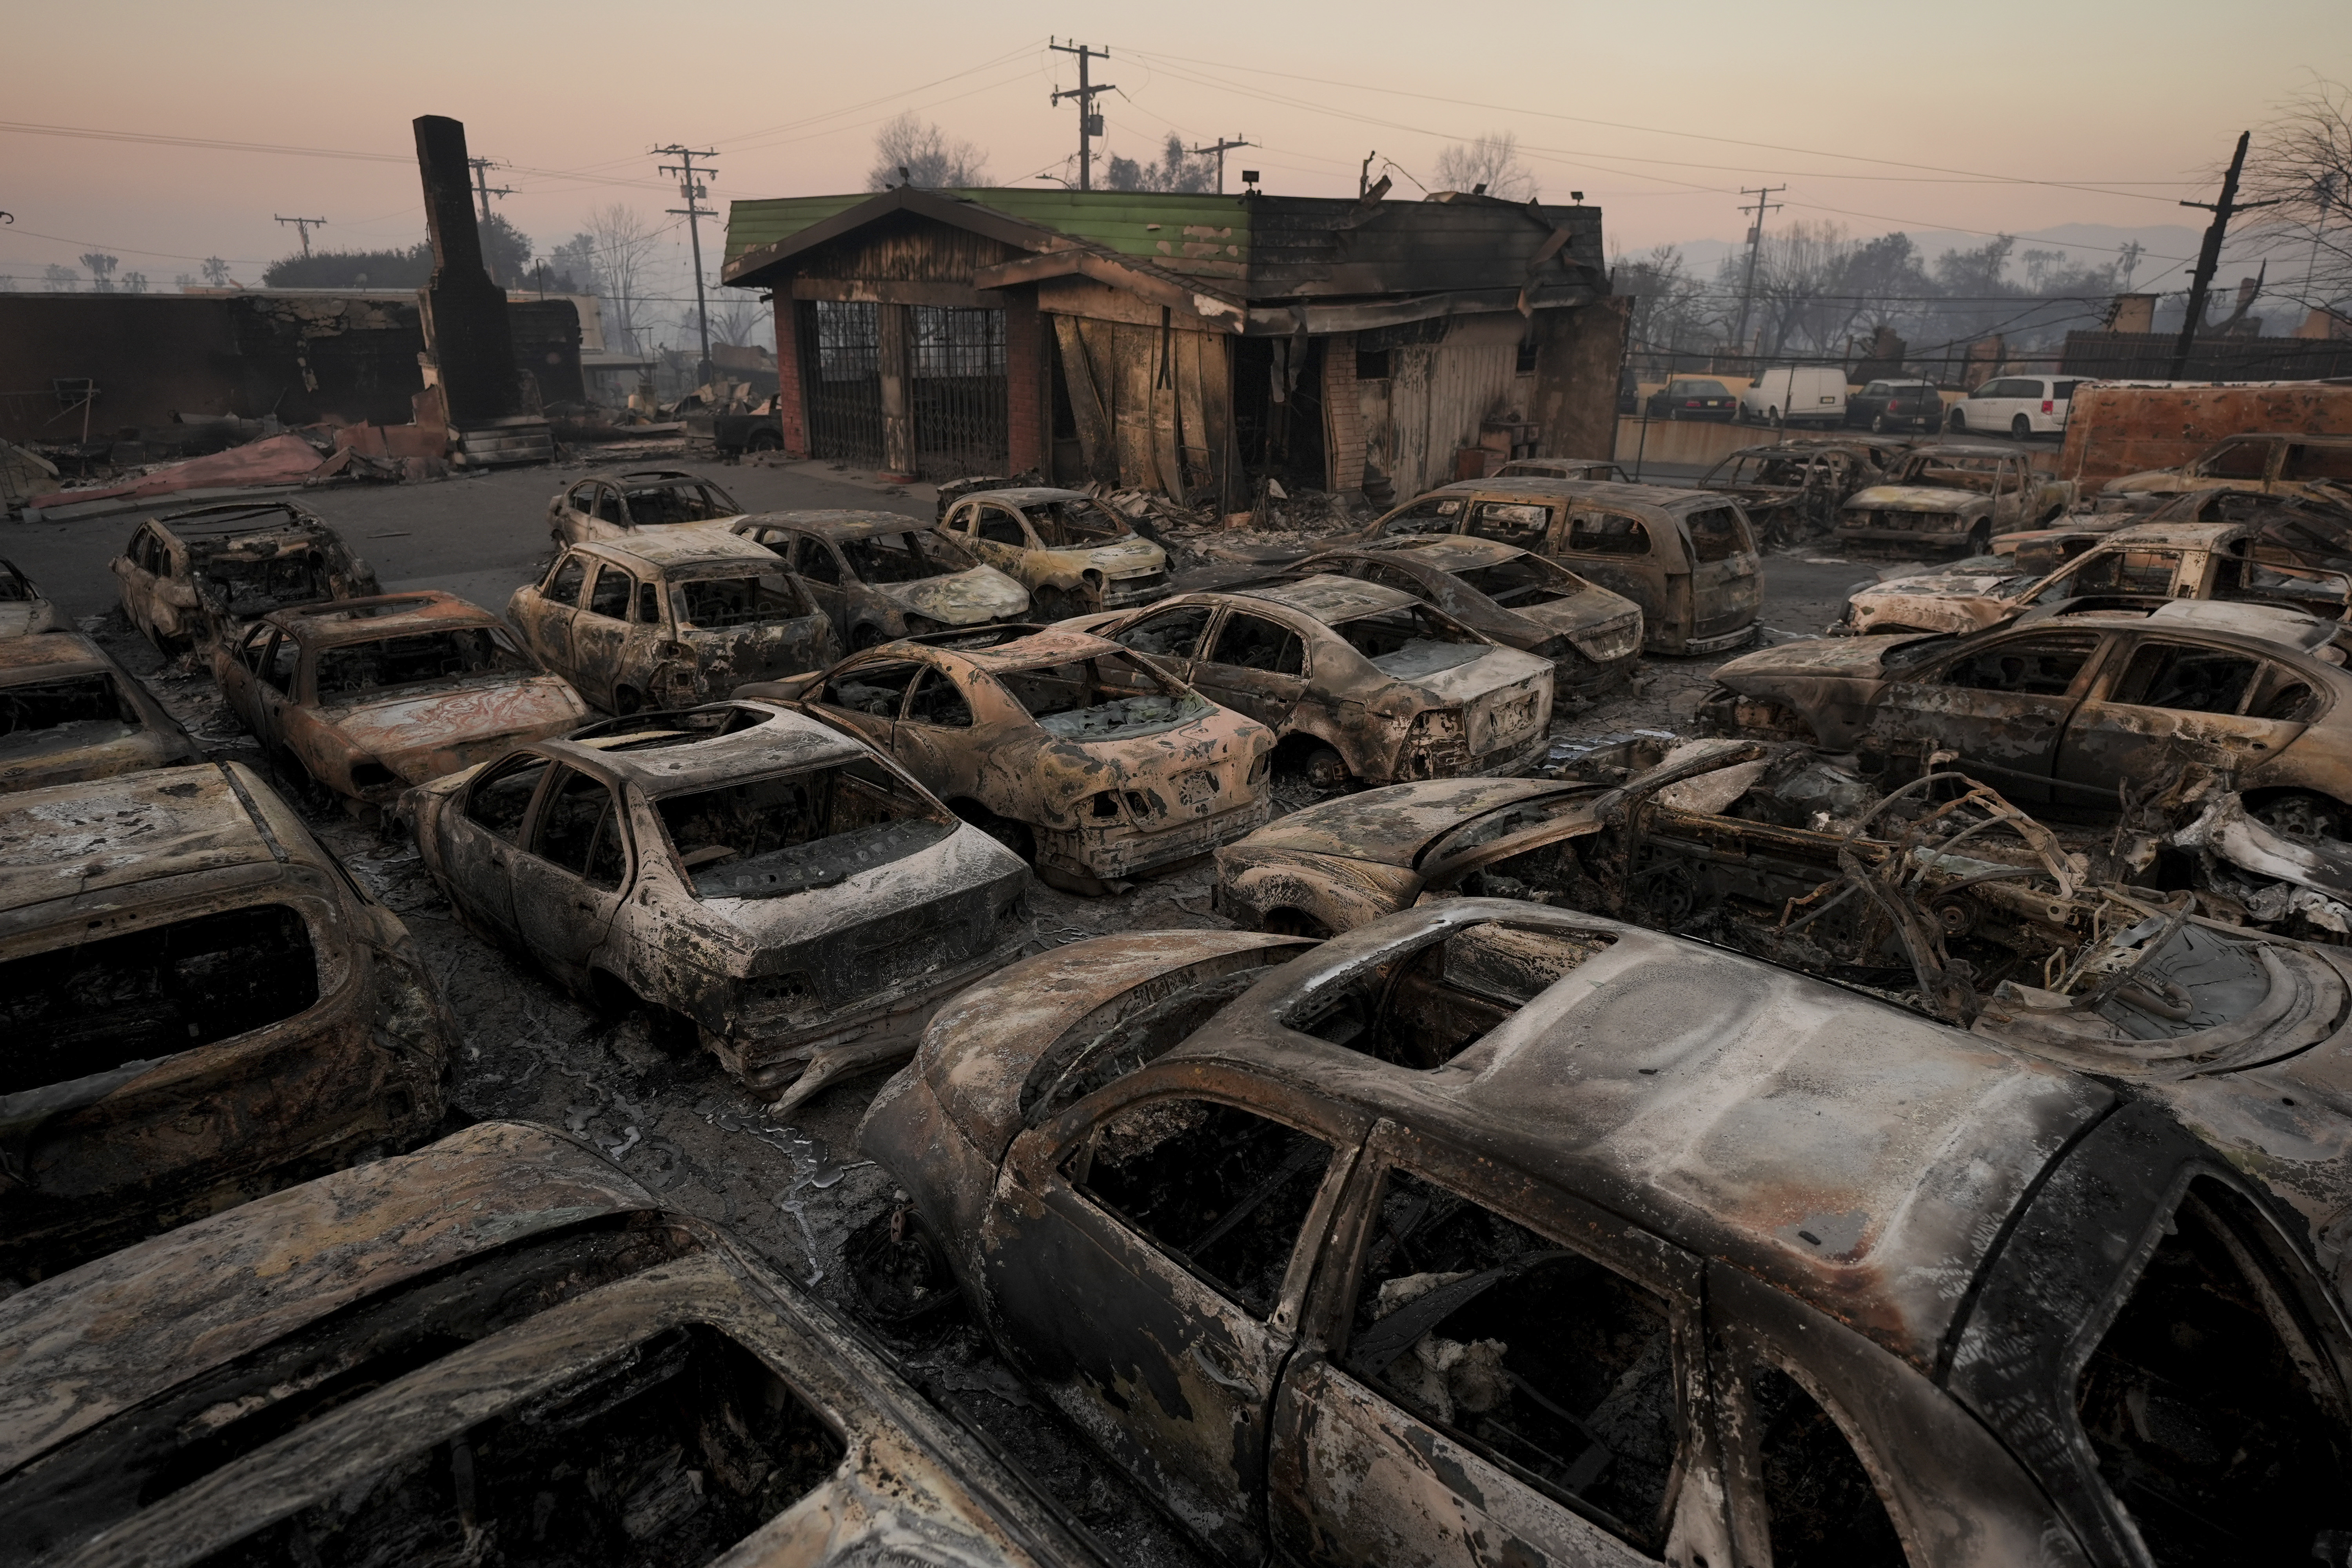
<point x="1953" y="498"/>
<point x="199" y="1006"/>
<point x="194" y="577"/>
<point x="1494" y="1220"/>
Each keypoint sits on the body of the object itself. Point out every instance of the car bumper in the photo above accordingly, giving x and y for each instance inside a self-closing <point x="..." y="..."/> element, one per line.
<point x="1109" y="854"/>
<point x="1942" y="539"/>
<point x="1721" y="642"/>
<point x="1121" y="592"/>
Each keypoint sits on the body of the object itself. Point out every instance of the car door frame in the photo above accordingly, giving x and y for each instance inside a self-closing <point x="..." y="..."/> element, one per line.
<point x="574" y="893"/>
<point x="1031" y="1184"/>
<point x="2268" y="737"/>
<point x="600" y="681"/>
<point x="2019" y="787"/>
<point x="497" y="853"/>
<point x="1178" y="668"/>
<point x="1665" y="628"/>
<point x="1244" y="701"/>
<point x="1696" y="1517"/>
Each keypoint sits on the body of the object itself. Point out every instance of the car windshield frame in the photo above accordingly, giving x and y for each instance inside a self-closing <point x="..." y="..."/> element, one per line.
<point x="504" y="657"/>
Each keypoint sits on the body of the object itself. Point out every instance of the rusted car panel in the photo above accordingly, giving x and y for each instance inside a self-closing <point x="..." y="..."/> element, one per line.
<point x="195" y="577"/>
<point x="200" y="1007"/>
<point x="2139" y="567"/>
<point x="1561" y="468"/>
<point x="371" y="696"/>
<point x="618" y="1382"/>
<point x="1791" y="492"/>
<point x="2287" y="464"/>
<point x="795" y="896"/>
<point x="1591" y="1099"/>
<point x="615" y="506"/>
<point x="1950" y="496"/>
<point x="69" y="711"/>
<point x="879" y="575"/>
<point x="1071" y="552"/>
<point x="1686" y="557"/>
<point x="1522" y="600"/>
<point x="1079" y="755"/>
<point x="668" y="620"/>
<point x="24" y="608"/>
<point x="1361" y="681"/>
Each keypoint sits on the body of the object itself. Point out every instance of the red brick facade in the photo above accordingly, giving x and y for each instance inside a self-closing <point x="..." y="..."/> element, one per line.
<point x="1025" y="377"/>
<point x="790" y="406"/>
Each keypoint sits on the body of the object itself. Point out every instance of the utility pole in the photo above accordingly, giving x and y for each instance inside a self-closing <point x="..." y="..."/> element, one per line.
<point x="482" y="167"/>
<point x="1090" y="124"/>
<point x="1364" y="174"/>
<point x="694" y="212"/>
<point x="2209" y="255"/>
<point x="1223" y="145"/>
<point x="1754" y="244"/>
<point x="305" y="225"/>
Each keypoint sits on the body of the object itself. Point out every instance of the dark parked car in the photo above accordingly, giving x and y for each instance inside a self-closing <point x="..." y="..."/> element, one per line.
<point x="1687" y="397"/>
<point x="1884" y="406"/>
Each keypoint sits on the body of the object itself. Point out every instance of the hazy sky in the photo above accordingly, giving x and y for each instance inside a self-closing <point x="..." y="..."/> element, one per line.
<point x="1980" y="115"/>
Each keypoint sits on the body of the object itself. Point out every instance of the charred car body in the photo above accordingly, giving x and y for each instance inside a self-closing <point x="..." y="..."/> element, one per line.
<point x="880" y="576"/>
<point x="1686" y="557"/>
<point x="200" y="1006"/>
<point x="1957" y="497"/>
<point x="1791" y="492"/>
<point x="1073" y="554"/>
<point x="24" y="608"/>
<point x="1075" y="755"/>
<point x="2287" y="464"/>
<point x="69" y="711"/>
<point x="790" y="893"/>
<point x="615" y="507"/>
<point x="368" y="697"/>
<point x="1493" y="1221"/>
<point x="1561" y="468"/>
<point x="194" y="577"/>
<point x="499" y="1347"/>
<point x="668" y="620"/>
<point x="1358" y="682"/>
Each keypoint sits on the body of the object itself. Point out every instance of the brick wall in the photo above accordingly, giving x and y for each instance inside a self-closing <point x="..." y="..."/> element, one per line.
<point x="790" y="406"/>
<point x="1026" y="408"/>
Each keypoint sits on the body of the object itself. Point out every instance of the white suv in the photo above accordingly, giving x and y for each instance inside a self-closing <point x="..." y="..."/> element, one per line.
<point x="2019" y="406"/>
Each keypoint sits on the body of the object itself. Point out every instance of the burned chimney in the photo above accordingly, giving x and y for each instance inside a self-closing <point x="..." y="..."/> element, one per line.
<point x="466" y="333"/>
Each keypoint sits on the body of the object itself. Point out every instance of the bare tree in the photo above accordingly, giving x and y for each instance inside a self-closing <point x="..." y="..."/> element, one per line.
<point x="624" y="241"/>
<point x="60" y="279"/>
<point x="2302" y="160"/>
<point x="134" y="283"/>
<point x="1671" y="315"/>
<point x="101" y="269"/>
<point x="739" y="320"/>
<point x="1176" y="171"/>
<point x="912" y="151"/>
<point x="1493" y="162"/>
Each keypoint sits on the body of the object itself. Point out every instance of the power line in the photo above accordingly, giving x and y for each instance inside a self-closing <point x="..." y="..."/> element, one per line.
<point x="1090" y="123"/>
<point x="1221" y="148"/>
<point x="305" y="224"/>
<point x="694" y="212"/>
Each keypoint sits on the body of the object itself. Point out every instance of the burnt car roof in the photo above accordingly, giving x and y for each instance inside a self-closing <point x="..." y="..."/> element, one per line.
<point x="45" y="656"/>
<point x="2190" y="535"/>
<point x="835" y="523"/>
<point x="230" y="519"/>
<point x="1443" y="552"/>
<point x="1657" y="498"/>
<point x="782" y="738"/>
<point x="1326" y="597"/>
<point x="333" y="621"/>
<point x="1052" y="646"/>
<point x="668" y="549"/>
<point x="1966" y="449"/>
<point x="1028" y="495"/>
<point x="74" y="838"/>
<point x="653" y="477"/>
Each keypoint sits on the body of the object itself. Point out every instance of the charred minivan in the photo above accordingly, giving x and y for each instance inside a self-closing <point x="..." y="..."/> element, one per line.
<point x="1687" y="557"/>
<point x="193" y="577"/>
<point x="198" y="1006"/>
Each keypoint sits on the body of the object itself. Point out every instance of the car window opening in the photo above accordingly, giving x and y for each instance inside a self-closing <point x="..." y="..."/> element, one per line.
<point x="1423" y="1010"/>
<point x="911" y="557"/>
<point x="715" y="604"/>
<point x="657" y="731"/>
<point x="667" y="1455"/>
<point x="1102" y="698"/>
<point x="418" y="660"/>
<point x="1062" y="524"/>
<point x="1545" y="1361"/>
<point x="1169" y="634"/>
<point x="150" y="994"/>
<point x="1103" y="1049"/>
<point x="774" y="837"/>
<point x="51" y="715"/>
<point x="1522" y="583"/>
<point x="1224" y="1189"/>
<point x="1432" y="514"/>
<point x="252" y="588"/>
<point x="1411" y="642"/>
<point x="15" y="587"/>
<point x="659" y="504"/>
<point x="1716" y="534"/>
<point x="876" y="689"/>
<point x="501" y="796"/>
<point x="1818" y="1495"/>
<point x="2207" y="1407"/>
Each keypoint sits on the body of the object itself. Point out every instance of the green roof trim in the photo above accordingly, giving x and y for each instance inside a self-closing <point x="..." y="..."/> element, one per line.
<point x="1201" y="236"/>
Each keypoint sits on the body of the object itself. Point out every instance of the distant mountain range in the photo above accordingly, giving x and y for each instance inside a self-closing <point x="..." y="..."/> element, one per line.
<point x="2170" y="251"/>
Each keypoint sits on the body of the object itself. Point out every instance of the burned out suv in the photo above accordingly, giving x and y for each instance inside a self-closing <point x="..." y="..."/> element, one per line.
<point x="1490" y="1225"/>
<point x="193" y="577"/>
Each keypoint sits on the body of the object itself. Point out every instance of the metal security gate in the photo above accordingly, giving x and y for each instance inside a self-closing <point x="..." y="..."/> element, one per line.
<point x="956" y="390"/>
<point x="841" y="379"/>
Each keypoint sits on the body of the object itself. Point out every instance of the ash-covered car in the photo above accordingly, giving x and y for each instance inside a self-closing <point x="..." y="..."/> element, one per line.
<point x="498" y="1350"/>
<point x="1491" y="1221"/>
<point x="200" y="1006"/>
<point x="191" y="578"/>
<point x="1791" y="492"/>
<point x="1955" y="498"/>
<point x="1079" y="756"/>
<point x="617" y="505"/>
<point x="1522" y="600"/>
<point x="2135" y="568"/>
<point x="1071" y="552"/>
<point x="1359" y="682"/>
<point x="881" y="577"/>
<point x="69" y="711"/>
<point x="668" y="620"/>
<point x="795" y="898"/>
<point x="24" y="608"/>
<point x="2283" y="463"/>
<point x="366" y="698"/>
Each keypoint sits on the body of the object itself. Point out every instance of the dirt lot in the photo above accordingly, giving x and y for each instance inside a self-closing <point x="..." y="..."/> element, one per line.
<point x="795" y="1187"/>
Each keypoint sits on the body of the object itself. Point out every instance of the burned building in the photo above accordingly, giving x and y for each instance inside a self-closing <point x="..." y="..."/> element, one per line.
<point x="1190" y="343"/>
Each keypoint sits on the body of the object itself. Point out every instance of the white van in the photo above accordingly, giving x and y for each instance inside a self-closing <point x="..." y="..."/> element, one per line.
<point x="2019" y="406"/>
<point x="1808" y="395"/>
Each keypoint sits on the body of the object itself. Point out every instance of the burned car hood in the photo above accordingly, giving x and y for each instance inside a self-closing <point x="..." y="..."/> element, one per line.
<point x="1392" y="825"/>
<point x="1916" y="498"/>
<point x="426" y="733"/>
<point x="963" y="599"/>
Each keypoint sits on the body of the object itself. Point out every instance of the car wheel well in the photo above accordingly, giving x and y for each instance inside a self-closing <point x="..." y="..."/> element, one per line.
<point x="1312" y="759"/>
<point x="627" y="699"/>
<point x="1014" y="835"/>
<point x="1287" y="920"/>
<point x="2300" y="814"/>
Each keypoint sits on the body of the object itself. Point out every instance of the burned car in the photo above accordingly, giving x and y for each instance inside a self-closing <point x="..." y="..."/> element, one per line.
<point x="1522" y="600"/>
<point x="24" y="608"/>
<point x="364" y="698"/>
<point x="2283" y="463"/>
<point x="1071" y="552"/>
<point x="500" y="1350"/>
<point x="1791" y="492"/>
<point x="669" y="620"/>
<point x="1078" y="755"/>
<point x="879" y="575"/>
<point x="1950" y="496"/>
<point x="191" y="578"/>
<point x="615" y="506"/>
<point x="200" y="1006"/>
<point x="2139" y="567"/>
<point x="1359" y="682"/>
<point x="1686" y="557"/>
<point x="69" y="711"/>
<point x="1491" y="1221"/>
<point x="791" y="894"/>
